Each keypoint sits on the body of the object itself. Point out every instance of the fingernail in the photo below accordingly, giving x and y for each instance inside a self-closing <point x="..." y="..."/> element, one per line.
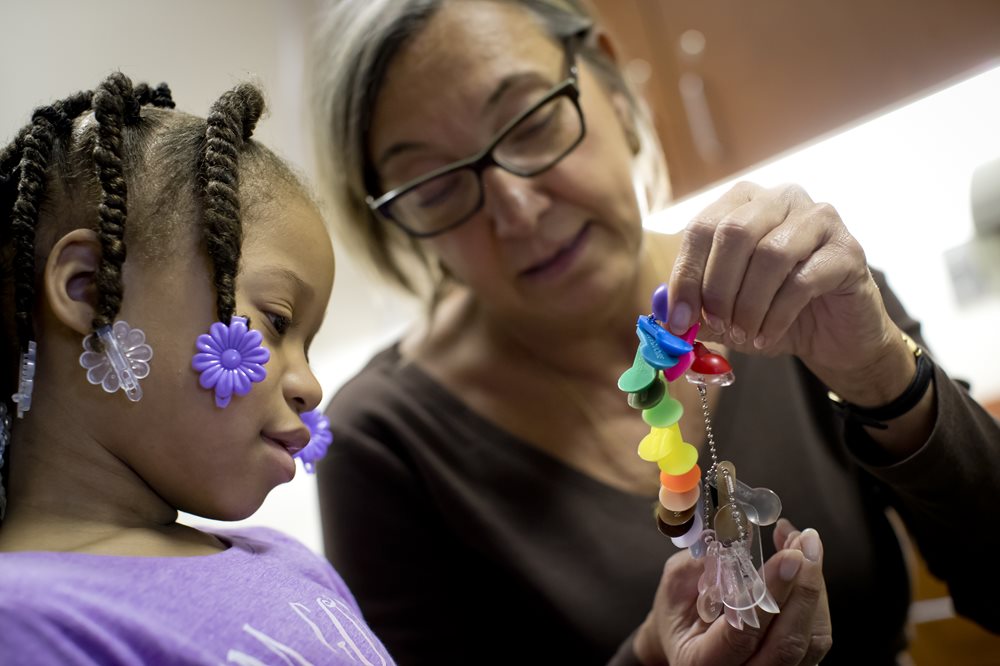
<point x="737" y="334"/>
<point x="760" y="342"/>
<point x="714" y="323"/>
<point x="812" y="547"/>
<point x="790" y="566"/>
<point x="680" y="316"/>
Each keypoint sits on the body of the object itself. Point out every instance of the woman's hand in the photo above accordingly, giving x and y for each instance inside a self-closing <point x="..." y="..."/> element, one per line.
<point x="801" y="634"/>
<point x="775" y="272"/>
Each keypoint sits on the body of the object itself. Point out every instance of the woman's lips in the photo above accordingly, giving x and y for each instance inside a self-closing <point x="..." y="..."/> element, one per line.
<point x="561" y="259"/>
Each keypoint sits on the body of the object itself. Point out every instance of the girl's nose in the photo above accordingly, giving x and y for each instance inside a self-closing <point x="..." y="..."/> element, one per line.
<point x="302" y="389"/>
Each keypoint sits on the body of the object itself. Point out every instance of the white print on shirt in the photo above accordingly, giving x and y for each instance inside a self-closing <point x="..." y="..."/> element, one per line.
<point x="347" y="647"/>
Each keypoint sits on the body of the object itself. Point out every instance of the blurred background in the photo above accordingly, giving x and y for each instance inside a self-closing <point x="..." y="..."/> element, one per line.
<point x="890" y="111"/>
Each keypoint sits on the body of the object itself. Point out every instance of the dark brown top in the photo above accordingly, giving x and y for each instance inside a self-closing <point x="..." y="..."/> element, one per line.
<point x="464" y="544"/>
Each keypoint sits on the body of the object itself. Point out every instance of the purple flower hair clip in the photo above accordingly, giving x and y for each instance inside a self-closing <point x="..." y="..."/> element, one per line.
<point x="230" y="359"/>
<point x="320" y="439"/>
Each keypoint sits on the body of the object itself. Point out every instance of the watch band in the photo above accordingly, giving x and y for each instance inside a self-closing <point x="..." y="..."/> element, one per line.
<point x="875" y="417"/>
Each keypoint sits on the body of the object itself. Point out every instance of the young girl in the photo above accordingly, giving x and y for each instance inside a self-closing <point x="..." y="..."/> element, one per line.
<point x="163" y="276"/>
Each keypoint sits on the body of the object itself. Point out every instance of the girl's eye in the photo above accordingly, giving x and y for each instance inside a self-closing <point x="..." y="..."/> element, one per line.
<point x="280" y="323"/>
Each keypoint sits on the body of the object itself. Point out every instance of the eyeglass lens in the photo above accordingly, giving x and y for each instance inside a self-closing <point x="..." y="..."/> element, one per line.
<point x="534" y="144"/>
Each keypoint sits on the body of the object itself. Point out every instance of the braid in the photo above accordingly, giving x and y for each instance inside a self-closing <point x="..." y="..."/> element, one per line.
<point x="24" y="162"/>
<point x="63" y="112"/>
<point x="68" y="109"/>
<point x="112" y="101"/>
<point x="11" y="155"/>
<point x="36" y="148"/>
<point x="73" y="106"/>
<point x="10" y="159"/>
<point x="159" y="96"/>
<point x="230" y="124"/>
<point x="162" y="97"/>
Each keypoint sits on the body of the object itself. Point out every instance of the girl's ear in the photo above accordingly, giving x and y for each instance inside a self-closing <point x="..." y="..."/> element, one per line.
<point x="69" y="279"/>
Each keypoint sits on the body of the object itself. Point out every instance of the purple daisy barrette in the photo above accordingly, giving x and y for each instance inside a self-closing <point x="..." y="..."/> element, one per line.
<point x="230" y="359"/>
<point x="320" y="439"/>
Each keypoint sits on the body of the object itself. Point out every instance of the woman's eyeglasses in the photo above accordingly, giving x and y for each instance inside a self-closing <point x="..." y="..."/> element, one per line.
<point x="529" y="144"/>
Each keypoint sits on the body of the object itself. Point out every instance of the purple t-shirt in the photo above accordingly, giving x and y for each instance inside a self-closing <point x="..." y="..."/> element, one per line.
<point x="265" y="600"/>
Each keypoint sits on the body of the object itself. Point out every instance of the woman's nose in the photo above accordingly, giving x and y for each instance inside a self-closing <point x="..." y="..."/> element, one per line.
<point x="514" y="203"/>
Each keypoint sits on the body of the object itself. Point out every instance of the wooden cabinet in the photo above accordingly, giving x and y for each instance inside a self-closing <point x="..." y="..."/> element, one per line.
<point x="734" y="82"/>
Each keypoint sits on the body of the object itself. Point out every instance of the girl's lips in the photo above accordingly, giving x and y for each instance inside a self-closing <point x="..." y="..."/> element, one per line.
<point x="285" y="459"/>
<point x="291" y="447"/>
<point x="562" y="258"/>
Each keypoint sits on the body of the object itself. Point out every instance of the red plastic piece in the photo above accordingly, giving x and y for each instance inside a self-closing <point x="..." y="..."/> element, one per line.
<point x="707" y="362"/>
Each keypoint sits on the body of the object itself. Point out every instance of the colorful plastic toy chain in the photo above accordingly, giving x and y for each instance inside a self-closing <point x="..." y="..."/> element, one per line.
<point x="726" y="531"/>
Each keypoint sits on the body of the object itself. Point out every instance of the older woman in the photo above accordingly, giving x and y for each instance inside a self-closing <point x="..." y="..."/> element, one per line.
<point x="484" y="499"/>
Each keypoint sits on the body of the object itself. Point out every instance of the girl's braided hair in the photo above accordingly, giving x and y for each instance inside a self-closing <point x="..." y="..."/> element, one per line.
<point x="76" y="163"/>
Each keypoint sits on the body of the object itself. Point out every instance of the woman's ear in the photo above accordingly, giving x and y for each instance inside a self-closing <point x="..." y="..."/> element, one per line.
<point x="606" y="45"/>
<point x="69" y="279"/>
<point x="626" y="117"/>
<point x="623" y="109"/>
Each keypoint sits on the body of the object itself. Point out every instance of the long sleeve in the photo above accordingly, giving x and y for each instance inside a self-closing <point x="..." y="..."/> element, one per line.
<point x="946" y="491"/>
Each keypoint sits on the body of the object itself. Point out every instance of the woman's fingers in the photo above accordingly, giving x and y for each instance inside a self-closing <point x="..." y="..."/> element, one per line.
<point x="722" y="644"/>
<point x="755" y="260"/>
<point x="682" y="637"/>
<point x="685" y="287"/>
<point x="782" y="529"/>
<point x="735" y="243"/>
<point x="831" y="268"/>
<point x="783" y="251"/>
<point x="673" y="622"/>
<point x="678" y="588"/>
<point x="802" y="632"/>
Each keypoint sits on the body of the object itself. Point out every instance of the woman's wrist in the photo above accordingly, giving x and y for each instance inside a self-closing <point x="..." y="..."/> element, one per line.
<point x="899" y="388"/>
<point x="876" y="382"/>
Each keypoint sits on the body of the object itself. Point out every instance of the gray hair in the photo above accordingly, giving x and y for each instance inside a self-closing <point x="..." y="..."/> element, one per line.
<point x="353" y="46"/>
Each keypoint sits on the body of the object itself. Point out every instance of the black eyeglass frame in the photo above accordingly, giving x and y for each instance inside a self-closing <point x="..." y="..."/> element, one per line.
<point x="484" y="159"/>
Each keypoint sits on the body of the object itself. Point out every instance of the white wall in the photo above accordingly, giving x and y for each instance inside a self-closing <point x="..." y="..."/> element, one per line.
<point x="901" y="183"/>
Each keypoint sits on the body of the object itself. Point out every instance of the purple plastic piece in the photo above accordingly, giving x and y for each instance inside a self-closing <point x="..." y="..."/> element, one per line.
<point x="660" y="303"/>
<point x="230" y="359"/>
<point x="319" y="440"/>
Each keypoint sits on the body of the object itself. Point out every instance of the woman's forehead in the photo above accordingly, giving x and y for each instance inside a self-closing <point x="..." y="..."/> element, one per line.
<point x="447" y="73"/>
<point x="474" y="38"/>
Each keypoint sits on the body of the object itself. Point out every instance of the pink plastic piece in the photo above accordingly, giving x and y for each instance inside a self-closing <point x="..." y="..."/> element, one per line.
<point x="683" y="361"/>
